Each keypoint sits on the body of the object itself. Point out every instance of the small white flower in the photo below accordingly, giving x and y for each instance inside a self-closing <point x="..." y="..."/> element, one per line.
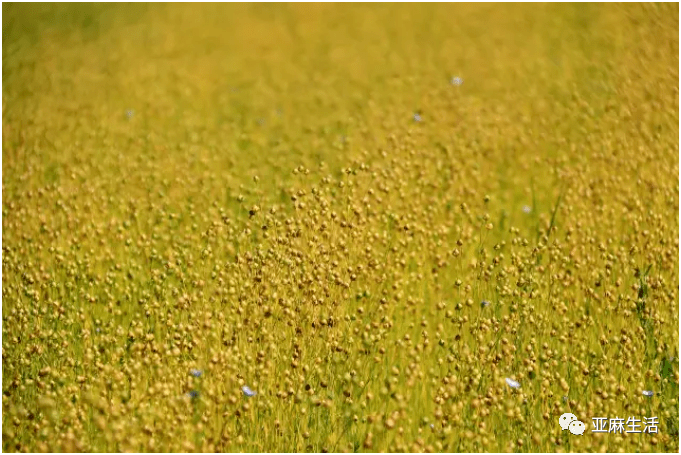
<point x="196" y="373"/>
<point x="526" y="209"/>
<point x="247" y="391"/>
<point x="513" y="384"/>
<point x="417" y="117"/>
<point x="457" y="81"/>
<point x="648" y="393"/>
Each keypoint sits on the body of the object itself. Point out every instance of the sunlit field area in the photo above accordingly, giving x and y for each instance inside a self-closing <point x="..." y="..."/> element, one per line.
<point x="340" y="228"/>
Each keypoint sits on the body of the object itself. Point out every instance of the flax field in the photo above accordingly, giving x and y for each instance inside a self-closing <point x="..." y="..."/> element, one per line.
<point x="340" y="227"/>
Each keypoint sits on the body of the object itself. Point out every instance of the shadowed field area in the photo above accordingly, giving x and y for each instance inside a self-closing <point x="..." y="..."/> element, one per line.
<point x="349" y="227"/>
